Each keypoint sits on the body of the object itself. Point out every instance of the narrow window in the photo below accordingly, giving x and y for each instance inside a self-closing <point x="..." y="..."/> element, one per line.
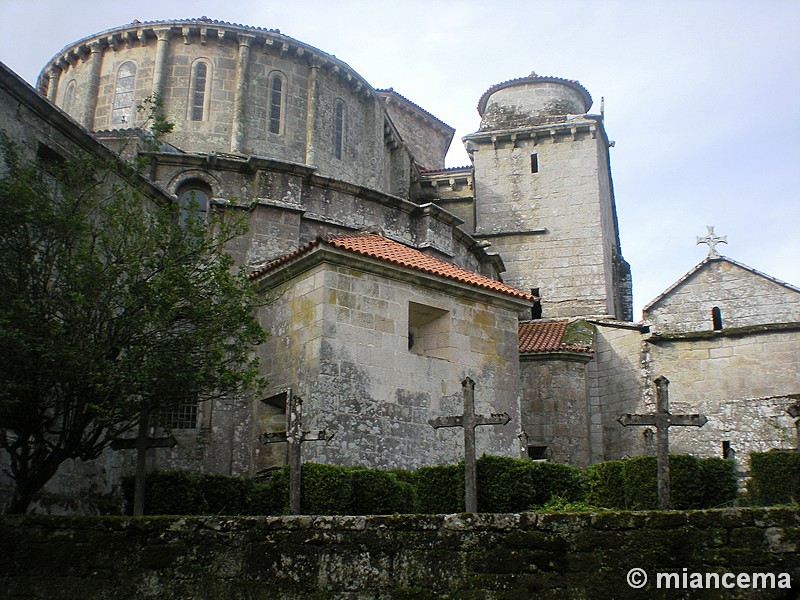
<point x="275" y="104"/>
<point x="193" y="200"/>
<point x="727" y="451"/>
<point x="338" y="129"/>
<point x="69" y="97"/>
<point x="536" y="310"/>
<point x="199" y="91"/>
<point x="534" y="163"/>
<point x="716" y="318"/>
<point x="123" y="94"/>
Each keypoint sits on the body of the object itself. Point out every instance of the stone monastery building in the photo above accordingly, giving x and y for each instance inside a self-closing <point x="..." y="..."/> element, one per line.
<point x="390" y="279"/>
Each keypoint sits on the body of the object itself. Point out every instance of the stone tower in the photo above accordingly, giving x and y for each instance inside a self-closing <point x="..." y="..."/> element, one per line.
<point x="544" y="197"/>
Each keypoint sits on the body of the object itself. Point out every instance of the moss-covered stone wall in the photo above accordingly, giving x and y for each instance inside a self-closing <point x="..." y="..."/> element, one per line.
<point x="574" y="556"/>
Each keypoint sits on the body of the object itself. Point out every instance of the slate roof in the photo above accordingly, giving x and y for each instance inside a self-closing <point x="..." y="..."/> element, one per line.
<point x="382" y="248"/>
<point x="545" y="336"/>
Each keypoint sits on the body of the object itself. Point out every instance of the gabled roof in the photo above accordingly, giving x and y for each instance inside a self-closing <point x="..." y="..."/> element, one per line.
<point x="382" y="248"/>
<point x="545" y="336"/>
<point x="708" y="260"/>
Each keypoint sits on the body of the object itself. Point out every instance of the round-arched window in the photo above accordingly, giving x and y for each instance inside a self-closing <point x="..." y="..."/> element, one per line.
<point x="193" y="198"/>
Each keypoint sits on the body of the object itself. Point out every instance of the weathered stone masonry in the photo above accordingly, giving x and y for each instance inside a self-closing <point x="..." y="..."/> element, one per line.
<point x="580" y="556"/>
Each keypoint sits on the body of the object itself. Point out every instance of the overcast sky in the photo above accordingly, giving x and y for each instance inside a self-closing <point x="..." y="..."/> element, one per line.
<point x="701" y="96"/>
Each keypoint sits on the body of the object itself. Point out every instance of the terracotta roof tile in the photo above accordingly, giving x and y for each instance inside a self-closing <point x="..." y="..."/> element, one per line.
<point x="381" y="248"/>
<point x="545" y="336"/>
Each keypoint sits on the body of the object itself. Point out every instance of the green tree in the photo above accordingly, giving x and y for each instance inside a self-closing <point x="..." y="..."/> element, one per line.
<point x="108" y="307"/>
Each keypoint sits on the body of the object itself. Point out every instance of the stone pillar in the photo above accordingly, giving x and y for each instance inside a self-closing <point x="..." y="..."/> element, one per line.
<point x="54" y="74"/>
<point x="162" y="47"/>
<point x="92" y="85"/>
<point x="311" y="113"/>
<point x="237" y="126"/>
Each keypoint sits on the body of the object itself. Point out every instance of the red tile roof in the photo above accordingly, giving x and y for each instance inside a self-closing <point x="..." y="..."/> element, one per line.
<point x="381" y="248"/>
<point x="545" y="336"/>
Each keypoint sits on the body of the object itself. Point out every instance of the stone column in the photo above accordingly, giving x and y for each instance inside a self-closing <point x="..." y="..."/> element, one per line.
<point x="311" y="112"/>
<point x="54" y="74"/>
<point x="162" y="47"/>
<point x="237" y="126"/>
<point x="92" y="85"/>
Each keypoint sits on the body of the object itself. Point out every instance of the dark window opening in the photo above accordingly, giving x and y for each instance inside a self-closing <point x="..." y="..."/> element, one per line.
<point x="534" y="163"/>
<point x="536" y="310"/>
<point x="275" y="101"/>
<point x="727" y="451"/>
<point x="199" y="95"/>
<point x="49" y="159"/>
<point x="338" y="129"/>
<point x="716" y="317"/>
<point x="537" y="452"/>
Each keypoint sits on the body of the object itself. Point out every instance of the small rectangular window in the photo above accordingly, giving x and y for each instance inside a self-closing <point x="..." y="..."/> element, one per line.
<point x="534" y="163"/>
<point x="181" y="416"/>
<point x="537" y="452"/>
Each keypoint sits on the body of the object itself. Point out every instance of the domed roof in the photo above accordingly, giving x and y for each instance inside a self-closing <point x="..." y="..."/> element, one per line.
<point x="533" y="78"/>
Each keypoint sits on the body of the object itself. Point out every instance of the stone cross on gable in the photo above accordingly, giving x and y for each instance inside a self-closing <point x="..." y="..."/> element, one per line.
<point x="142" y="443"/>
<point x="712" y="240"/>
<point x="663" y="420"/>
<point x="469" y="421"/>
<point x="294" y="436"/>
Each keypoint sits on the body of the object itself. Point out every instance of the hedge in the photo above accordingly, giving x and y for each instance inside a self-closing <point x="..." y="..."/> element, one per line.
<point x="775" y="478"/>
<point x="440" y="490"/>
<point x="504" y="485"/>
<point x="632" y="484"/>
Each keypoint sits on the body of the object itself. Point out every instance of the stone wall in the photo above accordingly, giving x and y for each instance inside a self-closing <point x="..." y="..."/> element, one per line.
<point x="555" y="405"/>
<point x="340" y="338"/>
<point x="744" y="297"/>
<point x="580" y="556"/>
<point x="722" y="376"/>
<point x="554" y="227"/>
<point x="616" y="387"/>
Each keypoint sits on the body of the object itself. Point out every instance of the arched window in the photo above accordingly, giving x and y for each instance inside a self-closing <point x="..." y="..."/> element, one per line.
<point x="123" y="94"/>
<point x="69" y="97"/>
<point x="277" y="89"/>
<point x="199" y="91"/>
<point x="193" y="197"/>
<point x="716" y="318"/>
<point x="338" y="128"/>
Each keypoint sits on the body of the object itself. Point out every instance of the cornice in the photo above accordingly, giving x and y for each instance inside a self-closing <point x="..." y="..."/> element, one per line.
<point x="205" y="31"/>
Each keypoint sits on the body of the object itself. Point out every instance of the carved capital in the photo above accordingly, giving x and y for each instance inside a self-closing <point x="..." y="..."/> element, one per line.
<point x="245" y="39"/>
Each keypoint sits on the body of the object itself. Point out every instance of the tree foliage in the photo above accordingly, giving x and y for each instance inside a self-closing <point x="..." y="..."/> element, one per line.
<point x="107" y="306"/>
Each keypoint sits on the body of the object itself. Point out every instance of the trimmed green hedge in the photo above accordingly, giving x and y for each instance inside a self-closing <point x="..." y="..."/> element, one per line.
<point x="504" y="485"/>
<point x="775" y="478"/>
<point x="632" y="484"/>
<point x="440" y="490"/>
<point x="515" y="485"/>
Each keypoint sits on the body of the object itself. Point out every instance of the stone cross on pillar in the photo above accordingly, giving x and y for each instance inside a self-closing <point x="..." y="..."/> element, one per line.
<point x="469" y="421"/>
<point x="794" y="412"/>
<point x="712" y="240"/>
<point x="662" y="420"/>
<point x="142" y="443"/>
<point x="294" y="436"/>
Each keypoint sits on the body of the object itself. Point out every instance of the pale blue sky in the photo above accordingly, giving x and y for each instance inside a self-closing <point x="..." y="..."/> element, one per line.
<point x="701" y="96"/>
